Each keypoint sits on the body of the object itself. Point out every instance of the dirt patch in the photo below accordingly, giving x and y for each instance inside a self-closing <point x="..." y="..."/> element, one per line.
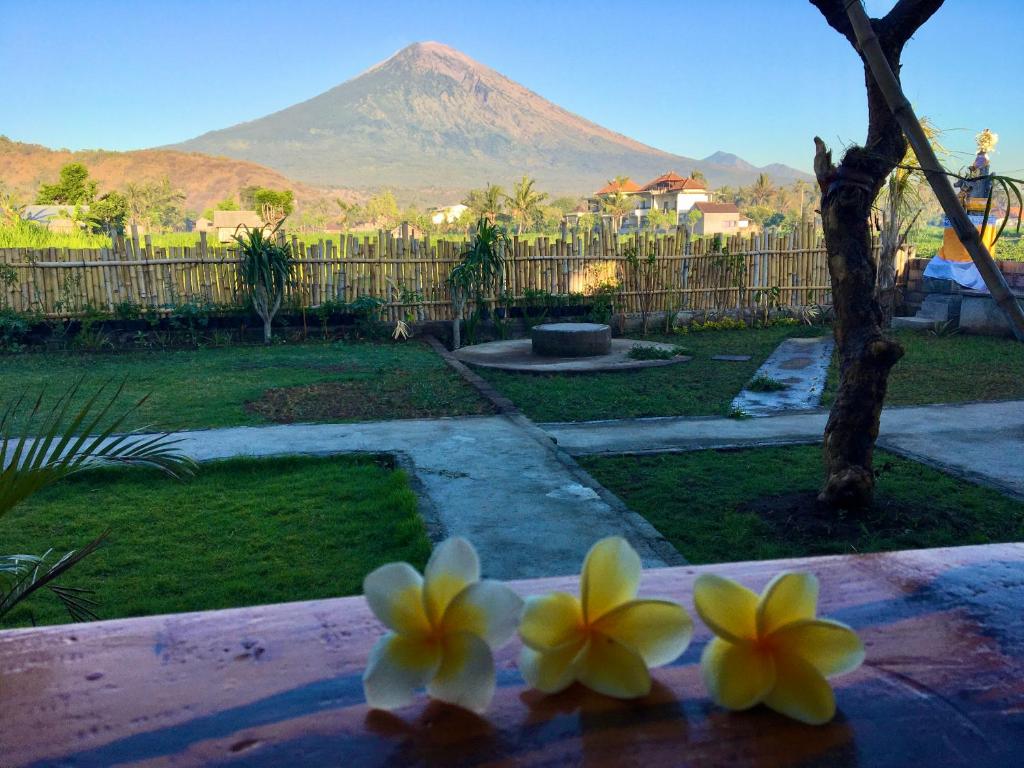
<point x="360" y="400"/>
<point x="800" y="518"/>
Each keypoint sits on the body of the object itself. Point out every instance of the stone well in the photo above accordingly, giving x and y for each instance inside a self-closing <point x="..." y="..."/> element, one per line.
<point x="571" y="339"/>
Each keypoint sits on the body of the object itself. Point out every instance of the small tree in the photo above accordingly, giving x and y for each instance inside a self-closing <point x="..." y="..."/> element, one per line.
<point x="486" y="203"/>
<point x="273" y="205"/>
<point x="74" y="188"/>
<point x="266" y="270"/>
<point x="848" y="192"/>
<point x="109" y="212"/>
<point x="479" y="272"/>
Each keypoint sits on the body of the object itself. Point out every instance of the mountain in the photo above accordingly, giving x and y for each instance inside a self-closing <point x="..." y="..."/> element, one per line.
<point x="204" y="180"/>
<point x="431" y="117"/>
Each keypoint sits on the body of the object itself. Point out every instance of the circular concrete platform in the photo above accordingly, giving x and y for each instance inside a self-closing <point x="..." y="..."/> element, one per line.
<point x="517" y="355"/>
<point x="571" y="339"/>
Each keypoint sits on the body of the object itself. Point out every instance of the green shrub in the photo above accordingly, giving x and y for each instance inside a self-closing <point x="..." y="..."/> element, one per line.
<point x="15" y="328"/>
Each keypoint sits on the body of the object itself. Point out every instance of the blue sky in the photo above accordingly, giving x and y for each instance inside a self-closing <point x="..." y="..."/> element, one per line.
<point x="755" y="77"/>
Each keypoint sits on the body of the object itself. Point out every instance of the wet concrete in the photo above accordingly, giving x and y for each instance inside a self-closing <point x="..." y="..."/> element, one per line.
<point x="800" y="364"/>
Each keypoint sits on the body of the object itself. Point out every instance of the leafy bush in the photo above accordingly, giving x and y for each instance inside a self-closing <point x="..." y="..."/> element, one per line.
<point x="15" y="328"/>
<point x="725" y="324"/>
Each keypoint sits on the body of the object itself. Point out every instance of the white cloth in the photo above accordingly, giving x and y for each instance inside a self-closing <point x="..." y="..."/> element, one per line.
<point x="962" y="272"/>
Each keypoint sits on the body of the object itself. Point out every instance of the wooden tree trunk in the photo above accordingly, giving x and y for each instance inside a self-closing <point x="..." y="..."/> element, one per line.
<point x="847" y="194"/>
<point x="866" y="354"/>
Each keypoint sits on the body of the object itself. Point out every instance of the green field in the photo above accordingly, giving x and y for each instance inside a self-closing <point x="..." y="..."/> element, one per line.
<point x="241" y="532"/>
<point x="231" y="386"/>
<point x="756" y="504"/>
<point x="949" y="369"/>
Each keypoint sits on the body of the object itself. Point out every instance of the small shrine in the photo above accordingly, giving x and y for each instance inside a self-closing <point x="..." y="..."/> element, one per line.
<point x="952" y="262"/>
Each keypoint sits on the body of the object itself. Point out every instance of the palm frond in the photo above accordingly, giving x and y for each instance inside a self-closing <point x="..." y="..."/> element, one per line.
<point x="26" y="574"/>
<point x="55" y="443"/>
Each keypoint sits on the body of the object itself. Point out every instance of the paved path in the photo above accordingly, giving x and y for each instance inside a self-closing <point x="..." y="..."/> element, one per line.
<point x="497" y="480"/>
<point x="800" y="364"/>
<point x="980" y="441"/>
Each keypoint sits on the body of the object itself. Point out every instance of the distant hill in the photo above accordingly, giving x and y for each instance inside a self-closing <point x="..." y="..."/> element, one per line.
<point x="431" y="117"/>
<point x="204" y="180"/>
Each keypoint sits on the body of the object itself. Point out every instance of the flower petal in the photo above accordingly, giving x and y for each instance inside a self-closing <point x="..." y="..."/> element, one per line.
<point x="727" y="607"/>
<point x="551" y="621"/>
<point x="550" y="671"/>
<point x="453" y="566"/>
<point x="800" y="691"/>
<point x="737" y="676"/>
<point x="398" y="667"/>
<point x="466" y="675"/>
<point x="487" y="609"/>
<point x="659" y="630"/>
<point x="790" y="596"/>
<point x="607" y="666"/>
<point x="610" y="577"/>
<point x="395" y="594"/>
<point x="830" y="647"/>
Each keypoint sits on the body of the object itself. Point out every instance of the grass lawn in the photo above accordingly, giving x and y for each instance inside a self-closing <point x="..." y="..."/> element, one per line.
<point x="949" y="369"/>
<point x="700" y="387"/>
<point x="755" y="504"/>
<point x="341" y="381"/>
<point x="241" y="532"/>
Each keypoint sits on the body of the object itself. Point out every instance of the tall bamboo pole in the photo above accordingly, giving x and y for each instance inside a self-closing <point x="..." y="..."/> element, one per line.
<point x="871" y="50"/>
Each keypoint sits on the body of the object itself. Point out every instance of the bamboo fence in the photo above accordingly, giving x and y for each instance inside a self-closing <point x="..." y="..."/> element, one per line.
<point x="410" y="274"/>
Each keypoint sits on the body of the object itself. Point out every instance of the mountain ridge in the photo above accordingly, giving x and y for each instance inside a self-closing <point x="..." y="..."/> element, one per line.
<point x="205" y="180"/>
<point x="431" y="116"/>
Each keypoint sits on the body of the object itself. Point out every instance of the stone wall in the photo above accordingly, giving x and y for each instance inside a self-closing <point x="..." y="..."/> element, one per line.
<point x="916" y="286"/>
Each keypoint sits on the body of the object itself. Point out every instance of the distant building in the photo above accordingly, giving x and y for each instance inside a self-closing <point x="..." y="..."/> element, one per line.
<point x="448" y="214"/>
<point x="671" y="192"/>
<point x="719" y="219"/>
<point x="229" y="223"/>
<point x="668" y="192"/>
<point x="55" y="217"/>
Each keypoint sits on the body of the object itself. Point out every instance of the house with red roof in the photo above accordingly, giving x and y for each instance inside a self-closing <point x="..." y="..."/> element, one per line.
<point x="668" y="192"/>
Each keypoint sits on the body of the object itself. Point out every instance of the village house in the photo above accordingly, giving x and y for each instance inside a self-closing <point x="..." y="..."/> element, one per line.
<point x="229" y="223"/>
<point x="668" y="192"/>
<point x="718" y="219"/>
<point x="448" y="214"/>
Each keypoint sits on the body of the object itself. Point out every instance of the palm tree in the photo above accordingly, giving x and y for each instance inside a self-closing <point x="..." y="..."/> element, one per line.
<point x="50" y="446"/>
<point x="524" y="203"/>
<point x="762" y="190"/>
<point x="618" y="205"/>
<point x="485" y="203"/>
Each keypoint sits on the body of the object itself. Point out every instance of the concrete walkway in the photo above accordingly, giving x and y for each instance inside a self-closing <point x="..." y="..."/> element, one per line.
<point x="983" y="442"/>
<point x="800" y="364"/>
<point x="496" y="480"/>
